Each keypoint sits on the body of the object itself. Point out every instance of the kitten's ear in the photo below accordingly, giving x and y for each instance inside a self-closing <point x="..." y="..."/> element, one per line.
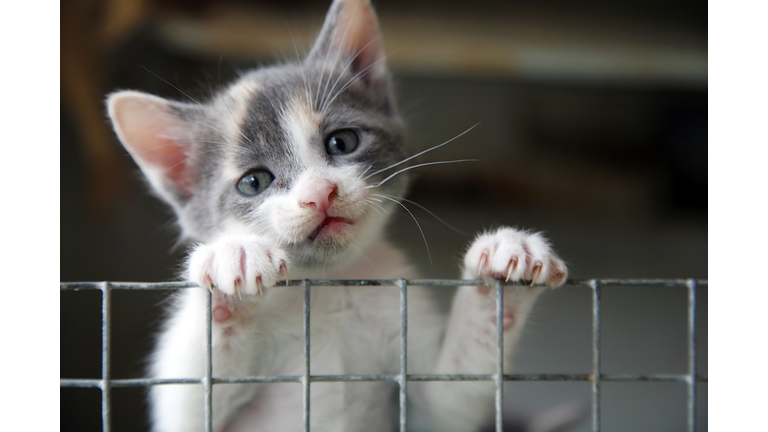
<point x="154" y="132"/>
<point x="351" y="29"/>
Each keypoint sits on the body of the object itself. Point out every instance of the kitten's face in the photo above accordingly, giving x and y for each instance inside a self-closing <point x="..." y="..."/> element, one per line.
<point x="292" y="152"/>
<point x="299" y="174"/>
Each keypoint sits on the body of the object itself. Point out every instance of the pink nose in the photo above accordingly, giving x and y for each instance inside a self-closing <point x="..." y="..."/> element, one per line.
<point x="319" y="195"/>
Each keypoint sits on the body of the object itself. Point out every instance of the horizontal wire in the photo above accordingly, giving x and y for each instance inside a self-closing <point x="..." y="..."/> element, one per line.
<point x="139" y="382"/>
<point x="149" y="286"/>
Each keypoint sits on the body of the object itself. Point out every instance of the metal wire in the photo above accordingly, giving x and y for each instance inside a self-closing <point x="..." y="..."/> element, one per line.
<point x="403" y="378"/>
<point x="106" y="383"/>
<point x="306" y="379"/>
<point x="208" y="379"/>
<point x="499" y="378"/>
<point x="596" y="374"/>
<point x="691" y="355"/>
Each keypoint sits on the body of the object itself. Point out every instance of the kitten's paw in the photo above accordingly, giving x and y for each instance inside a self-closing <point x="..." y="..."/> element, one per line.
<point x="238" y="265"/>
<point x="513" y="255"/>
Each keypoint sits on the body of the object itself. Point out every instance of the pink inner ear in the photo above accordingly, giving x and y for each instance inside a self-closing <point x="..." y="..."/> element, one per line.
<point x="155" y="138"/>
<point x="362" y="38"/>
<point x="172" y="158"/>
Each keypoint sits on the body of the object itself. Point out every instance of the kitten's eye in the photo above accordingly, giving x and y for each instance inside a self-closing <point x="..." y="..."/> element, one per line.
<point x="255" y="182"/>
<point x="342" y="142"/>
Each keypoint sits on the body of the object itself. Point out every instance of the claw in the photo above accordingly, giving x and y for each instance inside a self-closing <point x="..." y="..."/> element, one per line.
<point x="237" y="288"/>
<point x="557" y="274"/>
<point x="284" y="271"/>
<point x="259" y="286"/>
<point x="483" y="261"/>
<point x="535" y="273"/>
<point x="511" y="267"/>
<point x="208" y="282"/>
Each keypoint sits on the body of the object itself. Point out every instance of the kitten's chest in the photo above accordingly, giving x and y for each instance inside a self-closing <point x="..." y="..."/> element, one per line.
<point x="353" y="330"/>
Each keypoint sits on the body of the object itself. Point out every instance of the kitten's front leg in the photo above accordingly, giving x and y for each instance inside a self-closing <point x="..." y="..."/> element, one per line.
<point x="237" y="268"/>
<point x="470" y="340"/>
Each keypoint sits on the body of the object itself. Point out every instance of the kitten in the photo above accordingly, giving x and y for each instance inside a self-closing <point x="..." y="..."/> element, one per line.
<point x="288" y="173"/>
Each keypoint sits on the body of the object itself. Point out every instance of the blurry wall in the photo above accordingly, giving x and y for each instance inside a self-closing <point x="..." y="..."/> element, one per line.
<point x="593" y="128"/>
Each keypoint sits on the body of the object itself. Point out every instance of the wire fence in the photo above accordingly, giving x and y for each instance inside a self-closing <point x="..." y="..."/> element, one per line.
<point x="106" y="383"/>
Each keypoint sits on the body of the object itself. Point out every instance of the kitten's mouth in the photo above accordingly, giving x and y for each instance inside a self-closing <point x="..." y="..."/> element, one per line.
<point x="331" y="227"/>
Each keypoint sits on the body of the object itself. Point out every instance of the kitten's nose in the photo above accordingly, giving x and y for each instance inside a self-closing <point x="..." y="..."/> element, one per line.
<point x="319" y="195"/>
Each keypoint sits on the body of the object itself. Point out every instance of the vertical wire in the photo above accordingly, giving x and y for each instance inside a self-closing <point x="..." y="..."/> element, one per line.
<point x="595" y="355"/>
<point x="106" y="415"/>
<point x="305" y="379"/>
<point x="499" y="378"/>
<point x="691" y="355"/>
<point x="403" y="379"/>
<point x="207" y="379"/>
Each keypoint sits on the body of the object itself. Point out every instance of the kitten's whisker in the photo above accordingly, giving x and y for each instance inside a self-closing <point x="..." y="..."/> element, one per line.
<point x="363" y="255"/>
<point x="195" y="141"/>
<point x="374" y="205"/>
<point x="210" y="150"/>
<point x="224" y="99"/>
<point x="187" y="119"/>
<point x="323" y="108"/>
<point x="421" y="153"/>
<point x="233" y="119"/>
<point x="371" y="203"/>
<point x="177" y="89"/>
<point x="161" y="146"/>
<point x="417" y="224"/>
<point x="366" y="170"/>
<point x="190" y="97"/>
<point x="187" y="158"/>
<point x="426" y="210"/>
<point x="354" y="78"/>
<point x="303" y="72"/>
<point x="322" y="71"/>
<point x="338" y="51"/>
<point x="382" y="208"/>
<point x="417" y="166"/>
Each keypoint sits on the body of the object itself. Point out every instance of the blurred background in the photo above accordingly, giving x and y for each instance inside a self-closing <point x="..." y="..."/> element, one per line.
<point x="593" y="129"/>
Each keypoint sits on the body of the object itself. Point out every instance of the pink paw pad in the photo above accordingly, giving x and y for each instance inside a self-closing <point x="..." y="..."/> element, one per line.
<point x="507" y="320"/>
<point x="221" y="314"/>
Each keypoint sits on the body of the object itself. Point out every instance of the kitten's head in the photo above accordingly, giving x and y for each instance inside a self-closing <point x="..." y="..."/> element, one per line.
<point x="292" y="152"/>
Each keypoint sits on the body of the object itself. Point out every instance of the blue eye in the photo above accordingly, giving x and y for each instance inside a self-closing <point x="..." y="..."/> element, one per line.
<point x="342" y="142"/>
<point x="255" y="182"/>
